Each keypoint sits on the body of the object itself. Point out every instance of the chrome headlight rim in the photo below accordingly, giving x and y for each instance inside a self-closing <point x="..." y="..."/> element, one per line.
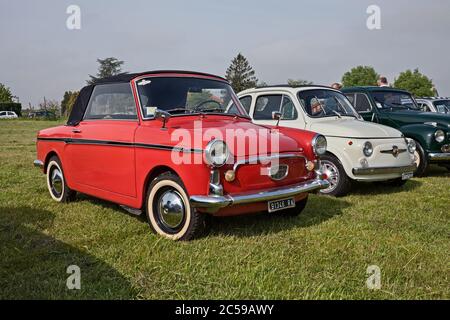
<point x="439" y="136"/>
<point x="412" y="146"/>
<point x="319" y="144"/>
<point x="210" y="158"/>
<point x="368" y="149"/>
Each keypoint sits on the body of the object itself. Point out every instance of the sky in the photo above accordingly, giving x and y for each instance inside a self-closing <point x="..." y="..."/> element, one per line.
<point x="287" y="39"/>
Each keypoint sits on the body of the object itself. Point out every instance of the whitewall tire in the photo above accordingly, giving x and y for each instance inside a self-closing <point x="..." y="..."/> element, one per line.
<point x="56" y="183"/>
<point x="168" y="210"/>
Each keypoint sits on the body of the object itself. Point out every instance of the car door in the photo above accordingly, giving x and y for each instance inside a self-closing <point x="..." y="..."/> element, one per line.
<point x="266" y="104"/>
<point x="101" y="151"/>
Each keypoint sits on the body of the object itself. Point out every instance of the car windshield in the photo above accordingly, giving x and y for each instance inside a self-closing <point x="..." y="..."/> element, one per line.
<point x="394" y="100"/>
<point x="321" y="103"/>
<point x="442" y="106"/>
<point x="185" y="95"/>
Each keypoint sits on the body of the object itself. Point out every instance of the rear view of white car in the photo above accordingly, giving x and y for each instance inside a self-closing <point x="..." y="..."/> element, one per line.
<point x="8" y="115"/>
<point x="357" y="150"/>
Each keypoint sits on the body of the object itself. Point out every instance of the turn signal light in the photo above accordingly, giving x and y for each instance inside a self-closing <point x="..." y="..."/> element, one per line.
<point x="230" y="176"/>
<point x="310" y="166"/>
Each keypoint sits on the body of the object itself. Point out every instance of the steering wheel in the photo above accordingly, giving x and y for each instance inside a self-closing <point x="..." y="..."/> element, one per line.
<point x="199" y="106"/>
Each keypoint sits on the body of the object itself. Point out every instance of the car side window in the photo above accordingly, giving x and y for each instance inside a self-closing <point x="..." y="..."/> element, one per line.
<point x="246" y="103"/>
<point x="111" y="102"/>
<point x="288" y="110"/>
<point x="351" y="98"/>
<point x="362" y="103"/>
<point x="265" y="105"/>
<point x="3" y="113"/>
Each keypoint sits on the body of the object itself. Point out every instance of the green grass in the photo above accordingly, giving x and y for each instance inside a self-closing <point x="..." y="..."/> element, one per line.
<point x="323" y="254"/>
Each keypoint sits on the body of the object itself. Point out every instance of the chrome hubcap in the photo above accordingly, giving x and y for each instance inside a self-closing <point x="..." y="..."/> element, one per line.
<point x="332" y="173"/>
<point x="56" y="181"/>
<point x="171" y="209"/>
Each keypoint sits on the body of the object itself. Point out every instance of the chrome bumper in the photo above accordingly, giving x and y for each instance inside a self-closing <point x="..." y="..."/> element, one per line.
<point x="213" y="203"/>
<point x="38" y="163"/>
<point x="439" y="156"/>
<point x="383" y="170"/>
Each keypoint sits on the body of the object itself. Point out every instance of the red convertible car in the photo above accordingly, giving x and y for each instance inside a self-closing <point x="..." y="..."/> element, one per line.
<point x="177" y="146"/>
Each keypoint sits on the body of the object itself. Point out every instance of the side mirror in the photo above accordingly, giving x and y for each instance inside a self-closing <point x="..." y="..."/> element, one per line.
<point x="276" y="115"/>
<point x="162" y="115"/>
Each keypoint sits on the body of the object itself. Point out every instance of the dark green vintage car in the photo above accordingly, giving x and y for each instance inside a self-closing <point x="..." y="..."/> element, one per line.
<point x="398" y="109"/>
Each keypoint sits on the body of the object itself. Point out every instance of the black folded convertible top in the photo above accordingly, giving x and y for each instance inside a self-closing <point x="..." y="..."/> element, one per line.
<point x="82" y="101"/>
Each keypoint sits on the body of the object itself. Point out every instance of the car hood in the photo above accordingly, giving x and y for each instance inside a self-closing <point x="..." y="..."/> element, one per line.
<point x="234" y="131"/>
<point x="411" y="116"/>
<point x="353" y="128"/>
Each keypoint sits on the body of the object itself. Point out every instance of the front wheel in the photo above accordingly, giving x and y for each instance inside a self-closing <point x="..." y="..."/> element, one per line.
<point x="421" y="160"/>
<point x="168" y="210"/>
<point x="56" y="183"/>
<point x="340" y="183"/>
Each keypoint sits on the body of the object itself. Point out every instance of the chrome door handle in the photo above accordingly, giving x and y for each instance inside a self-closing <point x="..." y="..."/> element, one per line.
<point x="76" y="130"/>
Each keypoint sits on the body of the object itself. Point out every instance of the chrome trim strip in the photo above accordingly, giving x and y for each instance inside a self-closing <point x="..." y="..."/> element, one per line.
<point x="213" y="204"/>
<point x="120" y="144"/>
<point x="38" y="164"/>
<point x="439" y="156"/>
<point x="383" y="170"/>
<point x="259" y="159"/>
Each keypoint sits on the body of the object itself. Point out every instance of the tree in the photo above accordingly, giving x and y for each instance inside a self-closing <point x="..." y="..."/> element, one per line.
<point x="107" y="67"/>
<point x="416" y="83"/>
<point x="68" y="101"/>
<point x="360" y="76"/>
<point x="298" y="82"/>
<point x="5" y="94"/>
<point x="240" y="74"/>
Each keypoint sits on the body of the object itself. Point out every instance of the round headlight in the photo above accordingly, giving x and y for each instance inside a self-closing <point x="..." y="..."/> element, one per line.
<point x="216" y="153"/>
<point x="439" y="136"/>
<point x="319" y="145"/>
<point x="368" y="149"/>
<point x="412" y="146"/>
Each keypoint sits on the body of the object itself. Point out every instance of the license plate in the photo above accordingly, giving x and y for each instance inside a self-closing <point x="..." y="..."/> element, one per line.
<point x="278" y="205"/>
<point x="407" y="176"/>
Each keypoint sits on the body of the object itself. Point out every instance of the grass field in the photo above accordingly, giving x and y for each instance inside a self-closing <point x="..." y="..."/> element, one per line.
<point x="322" y="254"/>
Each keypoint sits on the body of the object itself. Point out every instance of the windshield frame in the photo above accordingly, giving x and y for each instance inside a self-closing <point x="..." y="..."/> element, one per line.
<point x="416" y="106"/>
<point x="196" y="113"/>
<point x="355" y="113"/>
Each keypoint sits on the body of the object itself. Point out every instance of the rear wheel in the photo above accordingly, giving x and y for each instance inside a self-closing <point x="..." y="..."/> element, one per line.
<point x="340" y="183"/>
<point x="168" y="210"/>
<point x="293" y="212"/>
<point x="421" y="161"/>
<point x="56" y="183"/>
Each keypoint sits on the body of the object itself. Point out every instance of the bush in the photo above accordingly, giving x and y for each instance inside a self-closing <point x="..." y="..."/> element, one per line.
<point x="11" y="106"/>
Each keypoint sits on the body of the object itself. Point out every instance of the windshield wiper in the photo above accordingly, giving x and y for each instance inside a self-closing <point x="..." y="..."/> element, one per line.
<point x="185" y="110"/>
<point x="337" y="113"/>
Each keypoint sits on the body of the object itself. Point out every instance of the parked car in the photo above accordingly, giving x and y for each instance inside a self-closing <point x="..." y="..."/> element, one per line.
<point x="129" y="140"/>
<point x="43" y="114"/>
<point x="434" y="104"/>
<point x="357" y="150"/>
<point x="398" y="109"/>
<point x="8" y="115"/>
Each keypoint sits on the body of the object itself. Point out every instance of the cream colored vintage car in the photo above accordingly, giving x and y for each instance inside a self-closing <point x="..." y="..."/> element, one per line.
<point x="357" y="150"/>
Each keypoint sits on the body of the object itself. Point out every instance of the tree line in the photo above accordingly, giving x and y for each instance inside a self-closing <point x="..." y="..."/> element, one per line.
<point x="241" y="76"/>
